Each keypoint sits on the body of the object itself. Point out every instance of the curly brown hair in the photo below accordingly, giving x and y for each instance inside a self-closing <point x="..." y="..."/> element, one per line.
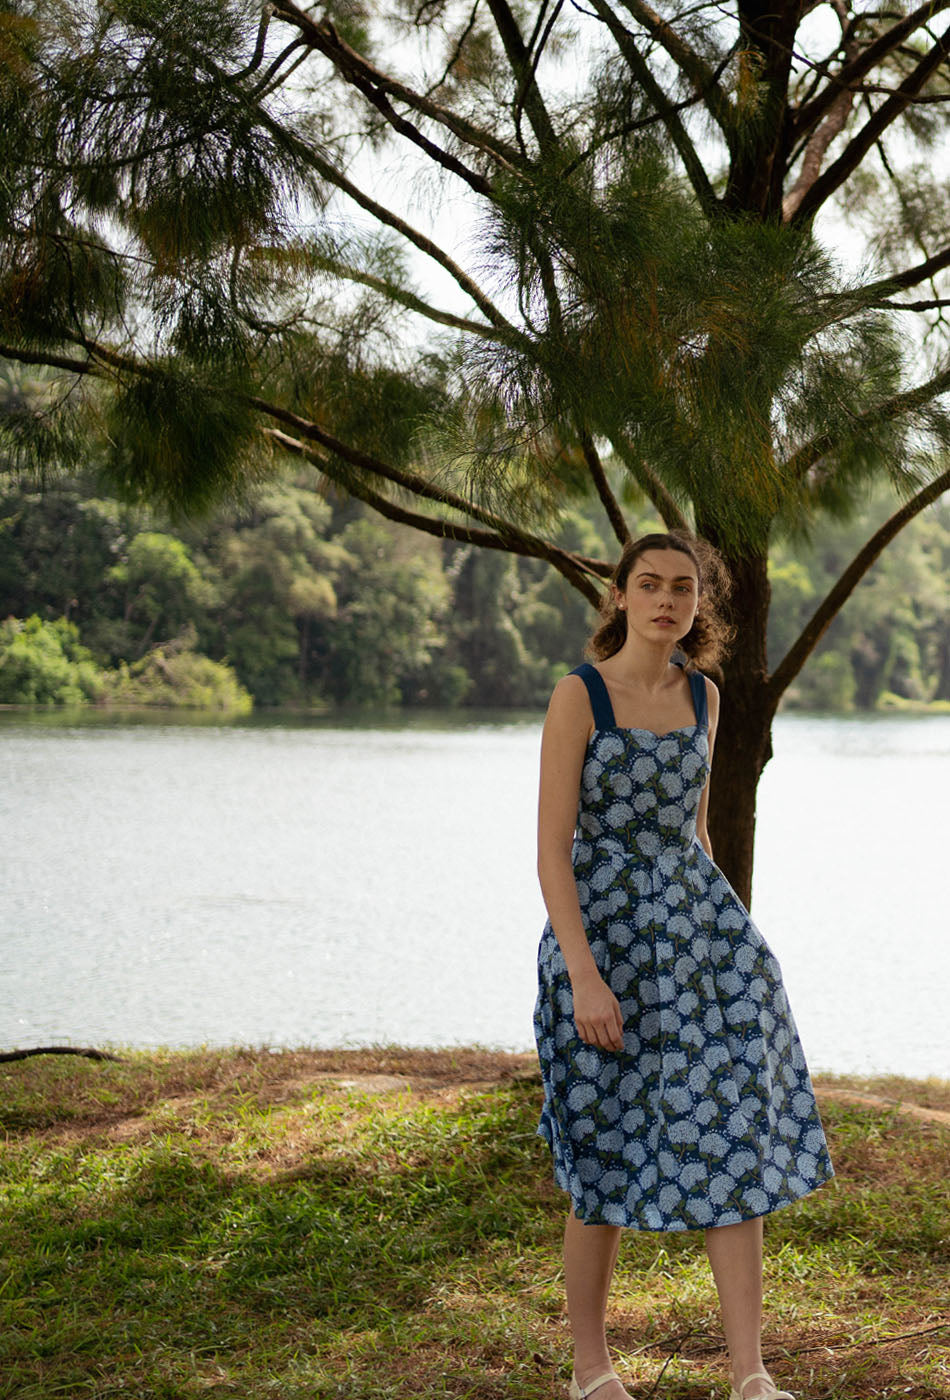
<point x="709" y="638"/>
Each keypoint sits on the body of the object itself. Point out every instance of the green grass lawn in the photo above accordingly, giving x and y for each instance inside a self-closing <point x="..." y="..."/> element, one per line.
<point x="242" y="1223"/>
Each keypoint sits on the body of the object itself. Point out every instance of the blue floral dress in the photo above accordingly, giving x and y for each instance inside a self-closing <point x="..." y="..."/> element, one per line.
<point x="707" y="1116"/>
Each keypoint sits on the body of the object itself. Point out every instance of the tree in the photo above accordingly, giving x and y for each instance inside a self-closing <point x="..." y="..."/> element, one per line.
<point x="196" y="241"/>
<point x="161" y="588"/>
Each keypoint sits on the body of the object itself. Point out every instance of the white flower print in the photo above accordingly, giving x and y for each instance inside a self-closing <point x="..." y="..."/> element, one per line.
<point x="701" y="1211"/>
<point x="721" y="1188"/>
<point x="580" y="1096"/>
<point x="683" y="1131"/>
<point x="713" y="1145"/>
<point x="642" y="770"/>
<point x="669" y="1197"/>
<point x="744" y="958"/>
<point x="609" y="746"/>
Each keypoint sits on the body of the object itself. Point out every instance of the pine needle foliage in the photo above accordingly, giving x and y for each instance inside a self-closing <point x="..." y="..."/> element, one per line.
<point x="178" y="443"/>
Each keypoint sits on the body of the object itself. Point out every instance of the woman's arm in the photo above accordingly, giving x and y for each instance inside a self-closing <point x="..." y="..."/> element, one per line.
<point x="567" y="729"/>
<point x="702" y="832"/>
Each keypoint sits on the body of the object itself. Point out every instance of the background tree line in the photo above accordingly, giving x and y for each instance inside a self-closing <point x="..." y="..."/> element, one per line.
<point x="310" y="599"/>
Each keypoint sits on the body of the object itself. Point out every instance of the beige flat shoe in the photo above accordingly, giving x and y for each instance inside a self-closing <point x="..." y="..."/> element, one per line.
<point x="575" y="1392"/>
<point x="770" y="1392"/>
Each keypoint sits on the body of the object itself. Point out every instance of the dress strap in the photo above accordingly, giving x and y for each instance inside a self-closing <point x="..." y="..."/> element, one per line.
<point x="697" y="684"/>
<point x="597" y="692"/>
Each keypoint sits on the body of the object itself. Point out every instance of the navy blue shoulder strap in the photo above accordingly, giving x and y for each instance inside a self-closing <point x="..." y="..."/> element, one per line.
<point x="597" y="691"/>
<point x="697" y="684"/>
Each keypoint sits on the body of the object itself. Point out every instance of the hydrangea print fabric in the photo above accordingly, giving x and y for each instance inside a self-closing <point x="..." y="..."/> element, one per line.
<point x="707" y="1116"/>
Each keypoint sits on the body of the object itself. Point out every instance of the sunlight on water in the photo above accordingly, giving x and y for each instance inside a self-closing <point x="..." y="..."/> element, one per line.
<point x="168" y="884"/>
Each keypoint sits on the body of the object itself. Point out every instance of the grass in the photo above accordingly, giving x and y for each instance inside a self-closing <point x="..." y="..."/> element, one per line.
<point x="382" y="1226"/>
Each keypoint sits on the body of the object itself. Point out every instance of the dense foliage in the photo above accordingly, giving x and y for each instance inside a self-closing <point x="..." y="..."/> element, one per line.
<point x="315" y="601"/>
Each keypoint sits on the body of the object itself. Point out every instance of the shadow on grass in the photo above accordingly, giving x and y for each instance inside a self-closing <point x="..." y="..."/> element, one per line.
<point x="411" y="1249"/>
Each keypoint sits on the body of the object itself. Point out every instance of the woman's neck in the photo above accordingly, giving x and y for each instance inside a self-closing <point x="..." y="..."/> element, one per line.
<point x="643" y="665"/>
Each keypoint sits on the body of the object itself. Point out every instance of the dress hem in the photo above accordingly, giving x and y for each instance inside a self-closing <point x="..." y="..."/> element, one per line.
<point x="677" y="1228"/>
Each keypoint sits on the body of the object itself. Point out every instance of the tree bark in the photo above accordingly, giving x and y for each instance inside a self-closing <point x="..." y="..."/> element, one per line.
<point x="743" y="739"/>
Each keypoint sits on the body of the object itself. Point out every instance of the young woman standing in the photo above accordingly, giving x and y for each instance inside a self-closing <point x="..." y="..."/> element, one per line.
<point x="676" y="1093"/>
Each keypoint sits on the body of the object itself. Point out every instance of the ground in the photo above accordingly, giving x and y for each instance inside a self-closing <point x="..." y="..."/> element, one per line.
<point x="381" y="1225"/>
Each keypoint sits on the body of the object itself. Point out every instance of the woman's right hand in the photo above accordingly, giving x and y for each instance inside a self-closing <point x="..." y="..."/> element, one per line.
<point x="597" y="1015"/>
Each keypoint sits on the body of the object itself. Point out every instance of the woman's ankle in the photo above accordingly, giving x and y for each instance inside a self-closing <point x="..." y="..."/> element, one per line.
<point x="748" y="1366"/>
<point x="588" y="1365"/>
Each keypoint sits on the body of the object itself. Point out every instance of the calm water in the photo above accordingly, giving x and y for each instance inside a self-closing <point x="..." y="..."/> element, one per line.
<point x="287" y="885"/>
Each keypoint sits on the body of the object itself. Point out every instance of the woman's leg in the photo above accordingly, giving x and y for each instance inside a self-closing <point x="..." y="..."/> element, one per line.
<point x="590" y="1252"/>
<point x="735" y="1253"/>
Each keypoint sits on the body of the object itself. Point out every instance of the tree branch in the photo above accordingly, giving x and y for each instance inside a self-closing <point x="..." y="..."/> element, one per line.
<point x="651" y="485"/>
<point x="529" y="93"/>
<point x="931" y="305"/>
<point x="911" y="276"/>
<point x="410" y="300"/>
<point x="528" y="543"/>
<point x="324" y="167"/>
<point x="824" y="614"/>
<point x="607" y="497"/>
<point x="43" y="357"/>
<point x="8" y="1056"/>
<point x="816" y="146"/>
<point x="666" y="110"/>
<point x="895" y="407"/>
<point x="839" y="171"/>
<point x="529" y="547"/>
<point x="257" y="58"/>
<point x="420" y="240"/>
<point x="852" y="72"/>
<point x="351" y="65"/>
<point x="690" y="64"/>
<point x="377" y="99"/>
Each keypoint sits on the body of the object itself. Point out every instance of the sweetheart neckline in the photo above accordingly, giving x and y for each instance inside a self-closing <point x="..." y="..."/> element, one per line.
<point x="638" y="729"/>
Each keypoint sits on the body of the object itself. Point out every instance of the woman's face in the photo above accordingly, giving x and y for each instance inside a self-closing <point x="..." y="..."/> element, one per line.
<point x="661" y="595"/>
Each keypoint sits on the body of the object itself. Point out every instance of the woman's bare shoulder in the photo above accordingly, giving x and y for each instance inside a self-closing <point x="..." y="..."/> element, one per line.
<point x="569" y="705"/>
<point x="712" y="700"/>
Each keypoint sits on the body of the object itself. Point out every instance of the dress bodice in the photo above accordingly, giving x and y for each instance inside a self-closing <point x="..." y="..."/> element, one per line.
<point x="640" y="791"/>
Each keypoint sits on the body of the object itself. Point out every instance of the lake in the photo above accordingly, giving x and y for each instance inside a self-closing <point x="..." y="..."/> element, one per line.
<point x="313" y="883"/>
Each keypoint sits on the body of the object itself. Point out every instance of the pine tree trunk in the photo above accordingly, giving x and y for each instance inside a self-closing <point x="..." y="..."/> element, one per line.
<point x="743" y="739"/>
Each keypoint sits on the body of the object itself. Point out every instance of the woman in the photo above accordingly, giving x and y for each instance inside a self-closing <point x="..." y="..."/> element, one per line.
<point x="676" y="1093"/>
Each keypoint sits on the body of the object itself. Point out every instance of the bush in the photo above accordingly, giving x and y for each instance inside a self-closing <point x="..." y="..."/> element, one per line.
<point x="175" y="675"/>
<point x="44" y="663"/>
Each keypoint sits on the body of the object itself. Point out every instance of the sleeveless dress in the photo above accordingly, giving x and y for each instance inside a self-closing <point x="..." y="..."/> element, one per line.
<point x="707" y="1116"/>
